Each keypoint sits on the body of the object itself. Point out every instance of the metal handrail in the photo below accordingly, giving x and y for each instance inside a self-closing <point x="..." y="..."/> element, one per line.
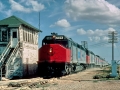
<point x="5" y="51"/>
<point x="13" y="53"/>
<point x="11" y="59"/>
<point x="4" y="54"/>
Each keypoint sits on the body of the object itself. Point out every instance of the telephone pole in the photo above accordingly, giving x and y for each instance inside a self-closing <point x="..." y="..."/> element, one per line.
<point x="113" y="39"/>
<point x="39" y="21"/>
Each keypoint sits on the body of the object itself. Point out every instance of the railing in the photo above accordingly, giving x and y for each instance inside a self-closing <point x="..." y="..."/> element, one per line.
<point x="12" y="56"/>
<point x="9" y="65"/>
<point x="4" y="54"/>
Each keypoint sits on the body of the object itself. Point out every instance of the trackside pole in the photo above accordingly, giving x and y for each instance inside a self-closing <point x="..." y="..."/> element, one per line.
<point x="114" y="69"/>
<point x="113" y="39"/>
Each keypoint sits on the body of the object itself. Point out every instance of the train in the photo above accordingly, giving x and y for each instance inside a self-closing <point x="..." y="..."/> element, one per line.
<point x="60" y="55"/>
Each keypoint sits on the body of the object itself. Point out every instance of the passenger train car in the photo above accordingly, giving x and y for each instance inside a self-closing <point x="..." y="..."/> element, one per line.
<point x="61" y="55"/>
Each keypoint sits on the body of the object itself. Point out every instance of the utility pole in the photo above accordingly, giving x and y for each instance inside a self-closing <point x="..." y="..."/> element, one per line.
<point x="113" y="39"/>
<point x="39" y="21"/>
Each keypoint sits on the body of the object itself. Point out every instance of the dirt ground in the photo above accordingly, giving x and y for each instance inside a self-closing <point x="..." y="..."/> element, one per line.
<point x="78" y="81"/>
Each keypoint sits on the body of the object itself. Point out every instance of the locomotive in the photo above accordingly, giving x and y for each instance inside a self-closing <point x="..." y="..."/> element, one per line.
<point x="60" y="55"/>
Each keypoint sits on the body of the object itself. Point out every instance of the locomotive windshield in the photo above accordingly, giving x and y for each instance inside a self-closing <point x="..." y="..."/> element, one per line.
<point x="58" y="40"/>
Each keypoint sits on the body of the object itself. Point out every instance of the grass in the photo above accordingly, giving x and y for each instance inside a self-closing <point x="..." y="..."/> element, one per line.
<point x="104" y="74"/>
<point x="41" y="84"/>
<point x="95" y="81"/>
<point x="55" y="83"/>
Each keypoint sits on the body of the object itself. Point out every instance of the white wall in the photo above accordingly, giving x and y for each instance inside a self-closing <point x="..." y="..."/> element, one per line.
<point x="30" y="58"/>
<point x="29" y="43"/>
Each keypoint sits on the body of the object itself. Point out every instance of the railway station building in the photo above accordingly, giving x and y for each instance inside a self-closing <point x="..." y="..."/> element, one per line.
<point x="18" y="48"/>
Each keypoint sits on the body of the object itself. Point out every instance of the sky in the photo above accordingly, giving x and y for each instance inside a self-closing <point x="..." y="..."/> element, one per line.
<point x="81" y="20"/>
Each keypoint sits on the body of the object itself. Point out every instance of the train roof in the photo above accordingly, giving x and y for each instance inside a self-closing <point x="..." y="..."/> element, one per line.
<point x="97" y="55"/>
<point x="100" y="57"/>
<point x="58" y="37"/>
<point x="92" y="52"/>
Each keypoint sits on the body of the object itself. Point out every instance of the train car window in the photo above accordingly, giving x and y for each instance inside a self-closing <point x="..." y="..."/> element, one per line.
<point x="69" y="44"/>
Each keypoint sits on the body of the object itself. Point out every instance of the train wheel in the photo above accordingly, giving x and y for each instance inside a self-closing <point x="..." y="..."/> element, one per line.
<point x="70" y="69"/>
<point x="66" y="69"/>
<point x="74" y="68"/>
<point x="63" y="72"/>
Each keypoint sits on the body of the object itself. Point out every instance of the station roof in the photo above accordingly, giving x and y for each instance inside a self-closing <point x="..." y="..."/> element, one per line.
<point x="14" y="21"/>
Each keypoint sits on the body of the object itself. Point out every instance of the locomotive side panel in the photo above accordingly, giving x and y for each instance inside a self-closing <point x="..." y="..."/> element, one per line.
<point x="90" y="58"/>
<point x="79" y="55"/>
<point x="74" y="53"/>
<point x="95" y="60"/>
<point x="87" y="57"/>
<point x="98" y="60"/>
<point x="83" y="57"/>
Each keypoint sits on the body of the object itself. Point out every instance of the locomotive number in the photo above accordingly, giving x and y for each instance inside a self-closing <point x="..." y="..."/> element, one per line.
<point x="49" y="38"/>
<point x="59" y="38"/>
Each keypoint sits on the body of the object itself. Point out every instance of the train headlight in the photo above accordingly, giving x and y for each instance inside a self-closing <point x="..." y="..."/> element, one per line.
<point x="50" y="50"/>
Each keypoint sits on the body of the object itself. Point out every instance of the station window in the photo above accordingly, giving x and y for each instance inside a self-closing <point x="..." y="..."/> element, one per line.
<point x="3" y="34"/>
<point x="14" y="34"/>
<point x="23" y="34"/>
<point x="26" y="35"/>
<point x="0" y="35"/>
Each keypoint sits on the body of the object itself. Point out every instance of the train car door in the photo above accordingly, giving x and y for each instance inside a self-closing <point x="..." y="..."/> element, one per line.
<point x="14" y="37"/>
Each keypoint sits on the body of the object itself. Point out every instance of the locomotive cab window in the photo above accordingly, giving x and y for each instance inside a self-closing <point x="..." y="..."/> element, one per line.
<point x="61" y="42"/>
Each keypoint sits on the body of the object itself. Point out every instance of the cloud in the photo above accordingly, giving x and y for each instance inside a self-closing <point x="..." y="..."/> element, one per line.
<point x="81" y="31"/>
<point x="96" y="38"/>
<point x="8" y="12"/>
<point x="49" y="2"/>
<point x="26" y="6"/>
<point x="1" y="6"/>
<point x="105" y="38"/>
<point x="35" y="5"/>
<point x="18" y="7"/>
<point x="95" y="10"/>
<point x="115" y="2"/>
<point x="61" y="23"/>
<point x="3" y="10"/>
<point x="96" y="35"/>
